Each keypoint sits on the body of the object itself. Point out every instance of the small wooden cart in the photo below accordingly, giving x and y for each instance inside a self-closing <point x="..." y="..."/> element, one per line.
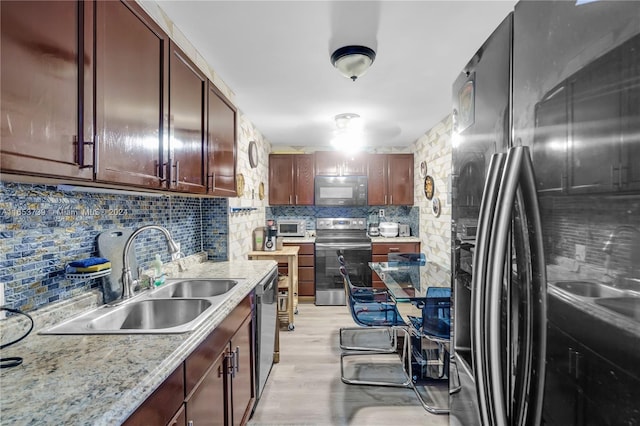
<point x="287" y="254"/>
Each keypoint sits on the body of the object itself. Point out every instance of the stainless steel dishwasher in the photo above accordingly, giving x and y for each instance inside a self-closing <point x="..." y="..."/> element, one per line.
<point x="266" y="313"/>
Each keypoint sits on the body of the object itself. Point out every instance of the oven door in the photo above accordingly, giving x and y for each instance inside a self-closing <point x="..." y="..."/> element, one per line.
<point x="329" y="285"/>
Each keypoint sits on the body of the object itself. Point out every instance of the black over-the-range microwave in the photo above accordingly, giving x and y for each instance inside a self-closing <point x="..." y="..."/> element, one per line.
<point x="341" y="191"/>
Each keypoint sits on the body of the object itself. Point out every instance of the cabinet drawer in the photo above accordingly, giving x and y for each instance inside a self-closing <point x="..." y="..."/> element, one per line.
<point x="306" y="261"/>
<point x="386" y="248"/>
<point x="306" y="288"/>
<point x="306" y="274"/>
<point x="305" y="248"/>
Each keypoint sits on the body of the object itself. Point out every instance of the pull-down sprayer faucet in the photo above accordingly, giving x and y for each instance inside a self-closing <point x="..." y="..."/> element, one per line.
<point x="127" y="279"/>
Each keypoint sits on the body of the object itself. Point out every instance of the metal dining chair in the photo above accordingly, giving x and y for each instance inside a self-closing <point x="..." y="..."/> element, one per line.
<point x="430" y="333"/>
<point x="374" y="319"/>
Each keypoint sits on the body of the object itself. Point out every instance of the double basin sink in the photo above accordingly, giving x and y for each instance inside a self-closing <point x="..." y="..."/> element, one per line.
<point x="178" y="306"/>
<point x="622" y="301"/>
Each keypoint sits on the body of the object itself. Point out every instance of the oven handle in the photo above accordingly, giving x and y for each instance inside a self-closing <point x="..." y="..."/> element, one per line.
<point x="343" y="246"/>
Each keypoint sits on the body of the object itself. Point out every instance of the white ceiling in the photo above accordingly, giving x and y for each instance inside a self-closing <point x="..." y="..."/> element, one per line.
<point x="274" y="55"/>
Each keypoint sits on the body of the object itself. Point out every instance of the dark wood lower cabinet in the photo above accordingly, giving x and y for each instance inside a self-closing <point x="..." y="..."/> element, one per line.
<point x="216" y="383"/>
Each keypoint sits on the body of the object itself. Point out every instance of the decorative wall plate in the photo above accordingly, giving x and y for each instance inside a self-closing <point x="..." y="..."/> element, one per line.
<point x="261" y="191"/>
<point x="435" y="206"/>
<point x="428" y="187"/>
<point x="253" y="154"/>
<point x="423" y="169"/>
<point x="240" y="184"/>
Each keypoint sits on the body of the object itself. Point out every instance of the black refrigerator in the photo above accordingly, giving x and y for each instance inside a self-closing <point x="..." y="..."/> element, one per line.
<point x="546" y="219"/>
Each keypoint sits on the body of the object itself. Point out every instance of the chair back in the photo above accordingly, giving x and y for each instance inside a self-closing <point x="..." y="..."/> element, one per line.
<point x="436" y="312"/>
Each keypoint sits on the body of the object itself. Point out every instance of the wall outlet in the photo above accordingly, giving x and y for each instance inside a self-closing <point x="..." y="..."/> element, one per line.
<point x="581" y="252"/>
<point x="381" y="213"/>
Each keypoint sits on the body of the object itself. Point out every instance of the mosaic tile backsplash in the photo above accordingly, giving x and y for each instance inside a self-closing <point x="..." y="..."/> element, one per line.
<point x="400" y="214"/>
<point x="43" y="228"/>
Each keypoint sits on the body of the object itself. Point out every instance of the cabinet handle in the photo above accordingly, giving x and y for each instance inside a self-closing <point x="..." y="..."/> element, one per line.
<point x="236" y="362"/>
<point x="391" y="199"/>
<point x="385" y="198"/>
<point x="212" y="177"/>
<point x="231" y="368"/>
<point x="177" y="174"/>
<point x="621" y="180"/>
<point x="575" y="358"/>
<point x="394" y="249"/>
<point x="296" y="199"/>
<point x="96" y="155"/>
<point x="190" y="423"/>
<point x="290" y="199"/>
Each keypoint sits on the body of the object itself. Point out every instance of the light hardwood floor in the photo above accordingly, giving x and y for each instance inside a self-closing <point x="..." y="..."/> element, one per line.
<point x="305" y="387"/>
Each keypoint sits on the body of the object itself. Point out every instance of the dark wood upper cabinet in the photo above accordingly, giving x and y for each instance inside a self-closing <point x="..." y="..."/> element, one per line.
<point x="291" y="179"/>
<point x="400" y="179"/>
<point x="221" y="144"/>
<point x="333" y="163"/>
<point x="47" y="86"/>
<point x="377" y="176"/>
<point x="187" y="102"/>
<point x="131" y="96"/>
<point x="390" y="179"/>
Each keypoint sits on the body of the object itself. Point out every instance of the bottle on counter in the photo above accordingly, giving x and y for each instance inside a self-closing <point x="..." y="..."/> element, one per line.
<point x="158" y="275"/>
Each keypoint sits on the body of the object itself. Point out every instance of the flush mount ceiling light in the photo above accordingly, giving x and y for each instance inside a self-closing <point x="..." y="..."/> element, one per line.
<point x="353" y="61"/>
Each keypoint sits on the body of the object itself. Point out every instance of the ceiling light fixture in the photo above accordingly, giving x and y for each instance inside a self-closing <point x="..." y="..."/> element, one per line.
<point x="353" y="61"/>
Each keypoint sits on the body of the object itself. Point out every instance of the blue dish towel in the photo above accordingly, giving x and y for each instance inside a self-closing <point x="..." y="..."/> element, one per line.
<point x="90" y="261"/>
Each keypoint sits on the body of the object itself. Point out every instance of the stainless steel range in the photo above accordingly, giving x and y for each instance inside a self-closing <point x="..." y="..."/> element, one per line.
<point x="346" y="236"/>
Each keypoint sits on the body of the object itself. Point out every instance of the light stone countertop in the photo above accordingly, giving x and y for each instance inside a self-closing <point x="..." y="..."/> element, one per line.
<point x="102" y="379"/>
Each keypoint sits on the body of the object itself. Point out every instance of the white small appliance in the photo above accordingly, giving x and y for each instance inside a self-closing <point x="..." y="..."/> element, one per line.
<point x="404" y="230"/>
<point x="292" y="228"/>
<point x="388" y="229"/>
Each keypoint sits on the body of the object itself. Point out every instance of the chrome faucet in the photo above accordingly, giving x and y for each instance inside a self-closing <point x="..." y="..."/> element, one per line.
<point x="634" y="255"/>
<point x="127" y="279"/>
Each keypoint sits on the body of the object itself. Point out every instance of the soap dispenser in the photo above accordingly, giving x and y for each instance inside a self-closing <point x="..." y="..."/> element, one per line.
<point x="158" y="275"/>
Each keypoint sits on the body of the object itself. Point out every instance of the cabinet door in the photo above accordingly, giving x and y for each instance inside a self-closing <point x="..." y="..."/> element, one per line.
<point x="333" y="163"/>
<point x="596" y="126"/>
<point x="400" y="169"/>
<point x="131" y="95"/>
<point x="243" y="378"/>
<point x="550" y="142"/>
<point x="222" y="144"/>
<point x="187" y="95"/>
<point x="631" y="117"/>
<point x="326" y="163"/>
<point x="377" y="180"/>
<point x="206" y="406"/>
<point x="281" y="179"/>
<point x="304" y="180"/>
<point x="43" y="84"/>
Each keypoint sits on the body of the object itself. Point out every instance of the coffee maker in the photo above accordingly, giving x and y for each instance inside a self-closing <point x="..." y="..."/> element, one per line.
<point x="270" y="236"/>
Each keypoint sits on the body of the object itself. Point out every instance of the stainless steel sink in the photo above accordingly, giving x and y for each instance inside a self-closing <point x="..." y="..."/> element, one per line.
<point x="588" y="289"/>
<point x="194" y="288"/>
<point x="151" y="314"/>
<point x="178" y="306"/>
<point x="627" y="306"/>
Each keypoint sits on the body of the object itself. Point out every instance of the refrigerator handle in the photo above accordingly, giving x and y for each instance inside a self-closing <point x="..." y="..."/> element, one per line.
<point x="478" y="288"/>
<point x="518" y="173"/>
<point x="497" y="253"/>
<point x="532" y="412"/>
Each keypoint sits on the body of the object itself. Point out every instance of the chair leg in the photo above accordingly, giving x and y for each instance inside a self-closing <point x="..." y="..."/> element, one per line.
<point x="407" y="381"/>
<point x="386" y="343"/>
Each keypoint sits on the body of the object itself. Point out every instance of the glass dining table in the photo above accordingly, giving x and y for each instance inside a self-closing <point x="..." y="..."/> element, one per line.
<point x="407" y="283"/>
